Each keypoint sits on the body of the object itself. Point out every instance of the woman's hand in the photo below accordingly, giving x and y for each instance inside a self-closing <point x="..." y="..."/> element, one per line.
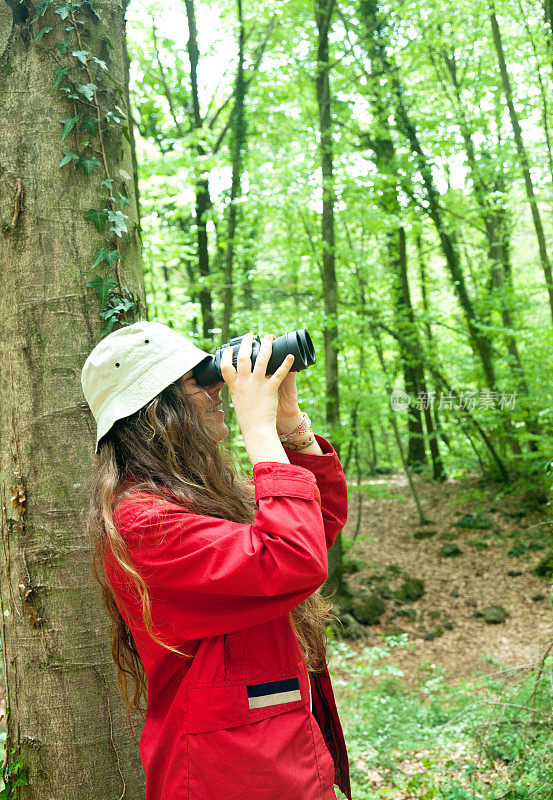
<point x="288" y="413"/>
<point x="254" y="394"/>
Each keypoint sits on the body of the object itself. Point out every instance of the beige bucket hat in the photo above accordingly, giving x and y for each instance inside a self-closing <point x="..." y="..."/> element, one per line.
<point x="130" y="366"/>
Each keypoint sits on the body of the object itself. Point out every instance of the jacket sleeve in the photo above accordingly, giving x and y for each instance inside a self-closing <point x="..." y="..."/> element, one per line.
<point x="207" y="576"/>
<point x="331" y="482"/>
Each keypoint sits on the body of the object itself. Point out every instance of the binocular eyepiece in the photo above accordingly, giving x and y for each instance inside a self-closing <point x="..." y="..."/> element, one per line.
<point x="298" y="343"/>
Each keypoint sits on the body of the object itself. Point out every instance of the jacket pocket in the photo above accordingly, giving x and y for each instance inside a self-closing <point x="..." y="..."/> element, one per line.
<point x="254" y="740"/>
<point x="214" y="706"/>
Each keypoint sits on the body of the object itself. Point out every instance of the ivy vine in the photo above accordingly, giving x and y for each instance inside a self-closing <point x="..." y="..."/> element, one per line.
<point x="15" y="774"/>
<point x="86" y="128"/>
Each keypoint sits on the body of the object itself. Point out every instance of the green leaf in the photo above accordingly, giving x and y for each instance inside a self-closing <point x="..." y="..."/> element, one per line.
<point x="99" y="218"/>
<point x="42" y="30"/>
<point x="62" y="46"/>
<point x="91" y="7"/>
<point x="88" y="164"/>
<point x="40" y="9"/>
<point x="114" y="117"/>
<point x="90" y="124"/>
<point x="68" y="125"/>
<point x="87" y="89"/>
<point x="99" y="257"/>
<point x="102" y="287"/>
<point x="81" y="55"/>
<point x="63" y="11"/>
<point x="109" y="325"/>
<point x="100" y="62"/>
<point x="125" y="132"/>
<point x="119" y="225"/>
<point x="58" y="75"/>
<point x="67" y="157"/>
<point x="108" y="183"/>
<point x="112" y="257"/>
<point x="123" y="200"/>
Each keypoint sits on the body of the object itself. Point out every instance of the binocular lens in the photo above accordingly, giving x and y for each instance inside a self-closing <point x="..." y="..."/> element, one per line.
<point x="298" y="343"/>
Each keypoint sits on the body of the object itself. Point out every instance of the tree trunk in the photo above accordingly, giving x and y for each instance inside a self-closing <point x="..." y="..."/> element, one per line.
<point x="323" y="15"/>
<point x="238" y="127"/>
<point x="203" y="200"/>
<point x="433" y="426"/>
<point x="523" y="158"/>
<point x="65" y="716"/>
<point x="495" y="221"/>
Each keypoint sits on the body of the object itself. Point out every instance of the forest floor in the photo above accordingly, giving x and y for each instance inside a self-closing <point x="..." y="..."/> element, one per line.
<point x="454" y="586"/>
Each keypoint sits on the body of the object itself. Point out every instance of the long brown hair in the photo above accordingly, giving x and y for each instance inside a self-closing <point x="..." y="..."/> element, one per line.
<point x="165" y="446"/>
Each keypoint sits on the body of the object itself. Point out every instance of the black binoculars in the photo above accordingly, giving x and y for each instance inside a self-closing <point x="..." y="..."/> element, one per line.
<point x="298" y="343"/>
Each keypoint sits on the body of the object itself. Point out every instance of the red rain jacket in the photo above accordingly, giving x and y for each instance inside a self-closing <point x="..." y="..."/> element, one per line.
<point x="234" y="722"/>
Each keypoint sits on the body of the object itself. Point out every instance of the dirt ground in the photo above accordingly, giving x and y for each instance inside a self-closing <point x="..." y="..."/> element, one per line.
<point x="456" y="585"/>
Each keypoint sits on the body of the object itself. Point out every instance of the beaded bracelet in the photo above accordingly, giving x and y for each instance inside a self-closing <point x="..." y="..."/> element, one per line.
<point x="303" y="427"/>
<point x="301" y="437"/>
<point x="302" y="444"/>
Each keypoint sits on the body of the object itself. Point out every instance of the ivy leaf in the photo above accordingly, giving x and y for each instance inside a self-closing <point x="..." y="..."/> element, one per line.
<point x="120" y="110"/>
<point x="125" y="132"/>
<point x="42" y="30"/>
<point x="114" y="117"/>
<point x="68" y="125"/>
<point x="123" y="200"/>
<point x="87" y="89"/>
<point x="88" y="164"/>
<point x="63" y="11"/>
<point x="99" y="218"/>
<point x="108" y="183"/>
<point x="112" y="257"/>
<point x="102" y="287"/>
<point x="62" y="46"/>
<point x="119" y="225"/>
<point x="90" y="124"/>
<point x="103" y="254"/>
<point x="81" y="55"/>
<point x="67" y="157"/>
<point x="100" y="62"/>
<point x="110" y="323"/>
<point x="58" y="75"/>
<point x="40" y="9"/>
<point x="116" y="305"/>
<point x="91" y="7"/>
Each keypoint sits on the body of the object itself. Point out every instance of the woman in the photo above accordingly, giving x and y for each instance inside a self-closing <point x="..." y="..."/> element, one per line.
<point x="211" y="579"/>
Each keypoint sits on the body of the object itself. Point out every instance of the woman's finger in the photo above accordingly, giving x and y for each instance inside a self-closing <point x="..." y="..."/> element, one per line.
<point x="284" y="368"/>
<point x="263" y="356"/>
<point x="244" y="359"/>
<point x="227" y="370"/>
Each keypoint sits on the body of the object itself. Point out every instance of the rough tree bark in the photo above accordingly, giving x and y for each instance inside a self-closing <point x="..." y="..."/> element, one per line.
<point x="65" y="716"/>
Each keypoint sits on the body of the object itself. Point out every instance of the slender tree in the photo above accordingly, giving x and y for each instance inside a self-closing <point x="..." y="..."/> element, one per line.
<point x="523" y="157"/>
<point x="203" y="199"/>
<point x="323" y="16"/>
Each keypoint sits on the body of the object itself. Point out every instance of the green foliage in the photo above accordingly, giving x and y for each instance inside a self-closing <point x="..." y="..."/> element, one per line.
<point x="449" y="84"/>
<point x="15" y="773"/>
<point x="477" y="739"/>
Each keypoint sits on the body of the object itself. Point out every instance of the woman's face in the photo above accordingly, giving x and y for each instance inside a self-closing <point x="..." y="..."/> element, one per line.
<point x="208" y="403"/>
